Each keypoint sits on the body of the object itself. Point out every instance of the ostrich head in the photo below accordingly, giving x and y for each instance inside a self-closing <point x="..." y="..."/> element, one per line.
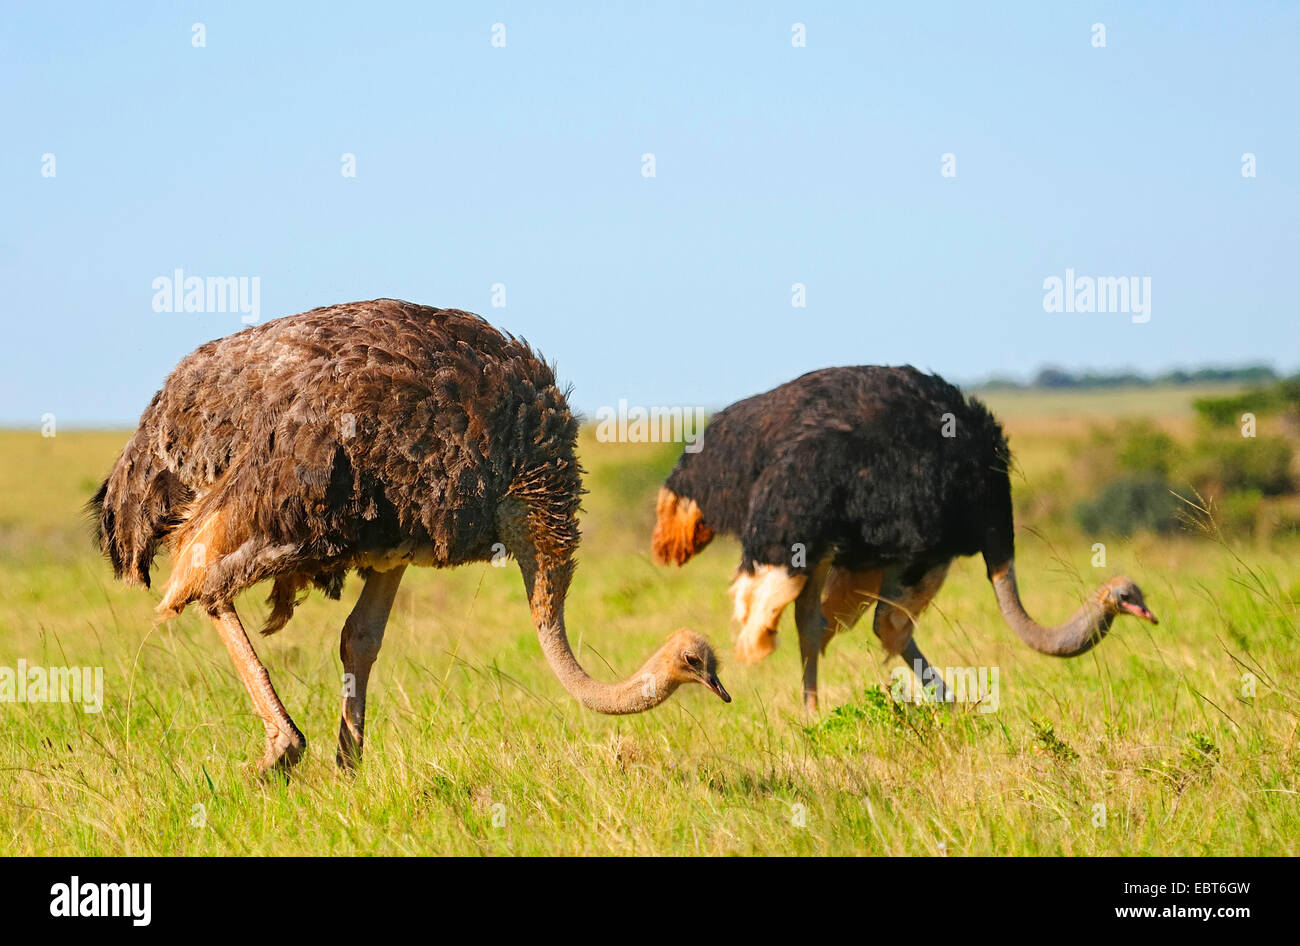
<point x="1084" y="629"/>
<point x="688" y="658"/>
<point x="1121" y="595"/>
<point x="685" y="657"/>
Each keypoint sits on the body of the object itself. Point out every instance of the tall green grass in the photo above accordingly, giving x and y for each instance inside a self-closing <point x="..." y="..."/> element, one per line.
<point x="473" y="748"/>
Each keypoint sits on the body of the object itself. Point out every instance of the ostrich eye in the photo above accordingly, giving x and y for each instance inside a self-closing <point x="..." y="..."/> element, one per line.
<point x="693" y="662"/>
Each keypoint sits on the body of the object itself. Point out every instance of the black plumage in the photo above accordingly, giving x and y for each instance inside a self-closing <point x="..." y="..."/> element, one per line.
<point x="856" y="487"/>
<point x="876" y="466"/>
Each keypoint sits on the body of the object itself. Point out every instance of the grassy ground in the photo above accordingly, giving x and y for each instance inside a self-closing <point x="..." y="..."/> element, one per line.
<point x="474" y="748"/>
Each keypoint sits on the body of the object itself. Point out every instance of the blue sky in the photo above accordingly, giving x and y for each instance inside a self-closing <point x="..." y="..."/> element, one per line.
<point x="774" y="165"/>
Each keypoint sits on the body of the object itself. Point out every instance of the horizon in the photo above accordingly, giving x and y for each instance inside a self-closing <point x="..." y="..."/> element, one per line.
<point x="983" y="388"/>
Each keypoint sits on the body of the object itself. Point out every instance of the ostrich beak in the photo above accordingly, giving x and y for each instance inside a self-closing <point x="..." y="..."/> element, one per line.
<point x="1139" y="611"/>
<point x="714" y="684"/>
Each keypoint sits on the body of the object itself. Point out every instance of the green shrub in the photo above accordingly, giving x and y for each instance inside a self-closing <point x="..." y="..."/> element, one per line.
<point x="1228" y="464"/>
<point x="1227" y="411"/>
<point x="1130" y="504"/>
<point x="1146" y="450"/>
<point x="1047" y="742"/>
<point x="1283" y="396"/>
<point x="1239" y="512"/>
<point x="1288" y="394"/>
<point x="1133" y="447"/>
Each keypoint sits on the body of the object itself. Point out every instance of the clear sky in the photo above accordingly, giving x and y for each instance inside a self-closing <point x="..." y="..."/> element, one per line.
<point x="774" y="165"/>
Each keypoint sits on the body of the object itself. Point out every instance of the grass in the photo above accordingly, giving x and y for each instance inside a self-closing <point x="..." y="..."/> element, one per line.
<point x="1178" y="739"/>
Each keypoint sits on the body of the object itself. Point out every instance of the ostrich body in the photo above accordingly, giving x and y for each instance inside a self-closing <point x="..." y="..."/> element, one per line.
<point x="367" y="436"/>
<point x="848" y="486"/>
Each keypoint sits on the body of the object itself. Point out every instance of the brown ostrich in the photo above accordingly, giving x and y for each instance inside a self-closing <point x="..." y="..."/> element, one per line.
<point x="367" y="436"/>
<point x="852" y="486"/>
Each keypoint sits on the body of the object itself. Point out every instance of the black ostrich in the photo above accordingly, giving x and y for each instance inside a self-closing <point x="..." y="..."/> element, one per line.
<point x="850" y="485"/>
<point x="368" y="436"/>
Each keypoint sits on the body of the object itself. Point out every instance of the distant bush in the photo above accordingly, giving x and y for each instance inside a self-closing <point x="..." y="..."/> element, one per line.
<point x="1226" y="464"/>
<point x="1130" y="504"/>
<point x="1239" y="512"/>
<point x="1288" y="394"/>
<point x="1132" y="447"/>
<point x="1146" y="450"/>
<point x="1051" y="376"/>
<point x="1282" y="397"/>
<point x="1247" y="374"/>
<point x="1130" y="474"/>
<point x="1135" y="468"/>
<point x="1227" y="411"/>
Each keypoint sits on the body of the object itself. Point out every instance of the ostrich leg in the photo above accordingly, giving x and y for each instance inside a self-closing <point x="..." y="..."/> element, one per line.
<point x="922" y="670"/>
<point x="284" y="743"/>
<point x="900" y="605"/>
<point x="811" y="622"/>
<point x="363" y="633"/>
<point x="848" y="596"/>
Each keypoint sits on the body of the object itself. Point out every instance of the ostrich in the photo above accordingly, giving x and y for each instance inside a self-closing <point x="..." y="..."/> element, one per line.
<point x="368" y="436"/>
<point x="848" y="486"/>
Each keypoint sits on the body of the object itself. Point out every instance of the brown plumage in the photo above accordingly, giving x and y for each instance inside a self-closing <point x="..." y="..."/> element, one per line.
<point x="370" y="435"/>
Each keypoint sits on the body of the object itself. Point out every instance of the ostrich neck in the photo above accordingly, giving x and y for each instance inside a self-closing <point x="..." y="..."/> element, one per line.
<point x="546" y="579"/>
<point x="1085" y="628"/>
<point x="548" y="583"/>
<point x="642" y="691"/>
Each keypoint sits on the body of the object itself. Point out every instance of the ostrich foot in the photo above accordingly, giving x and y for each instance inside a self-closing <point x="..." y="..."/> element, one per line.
<point x="928" y="679"/>
<point x="347" y="763"/>
<point x="283" y="752"/>
<point x="347" y="757"/>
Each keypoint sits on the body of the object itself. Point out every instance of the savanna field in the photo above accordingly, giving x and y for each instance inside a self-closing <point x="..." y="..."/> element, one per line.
<point x="1177" y="739"/>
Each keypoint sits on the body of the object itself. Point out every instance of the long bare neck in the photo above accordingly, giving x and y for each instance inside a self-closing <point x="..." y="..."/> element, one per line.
<point x="1083" y="631"/>
<point x="644" y="690"/>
